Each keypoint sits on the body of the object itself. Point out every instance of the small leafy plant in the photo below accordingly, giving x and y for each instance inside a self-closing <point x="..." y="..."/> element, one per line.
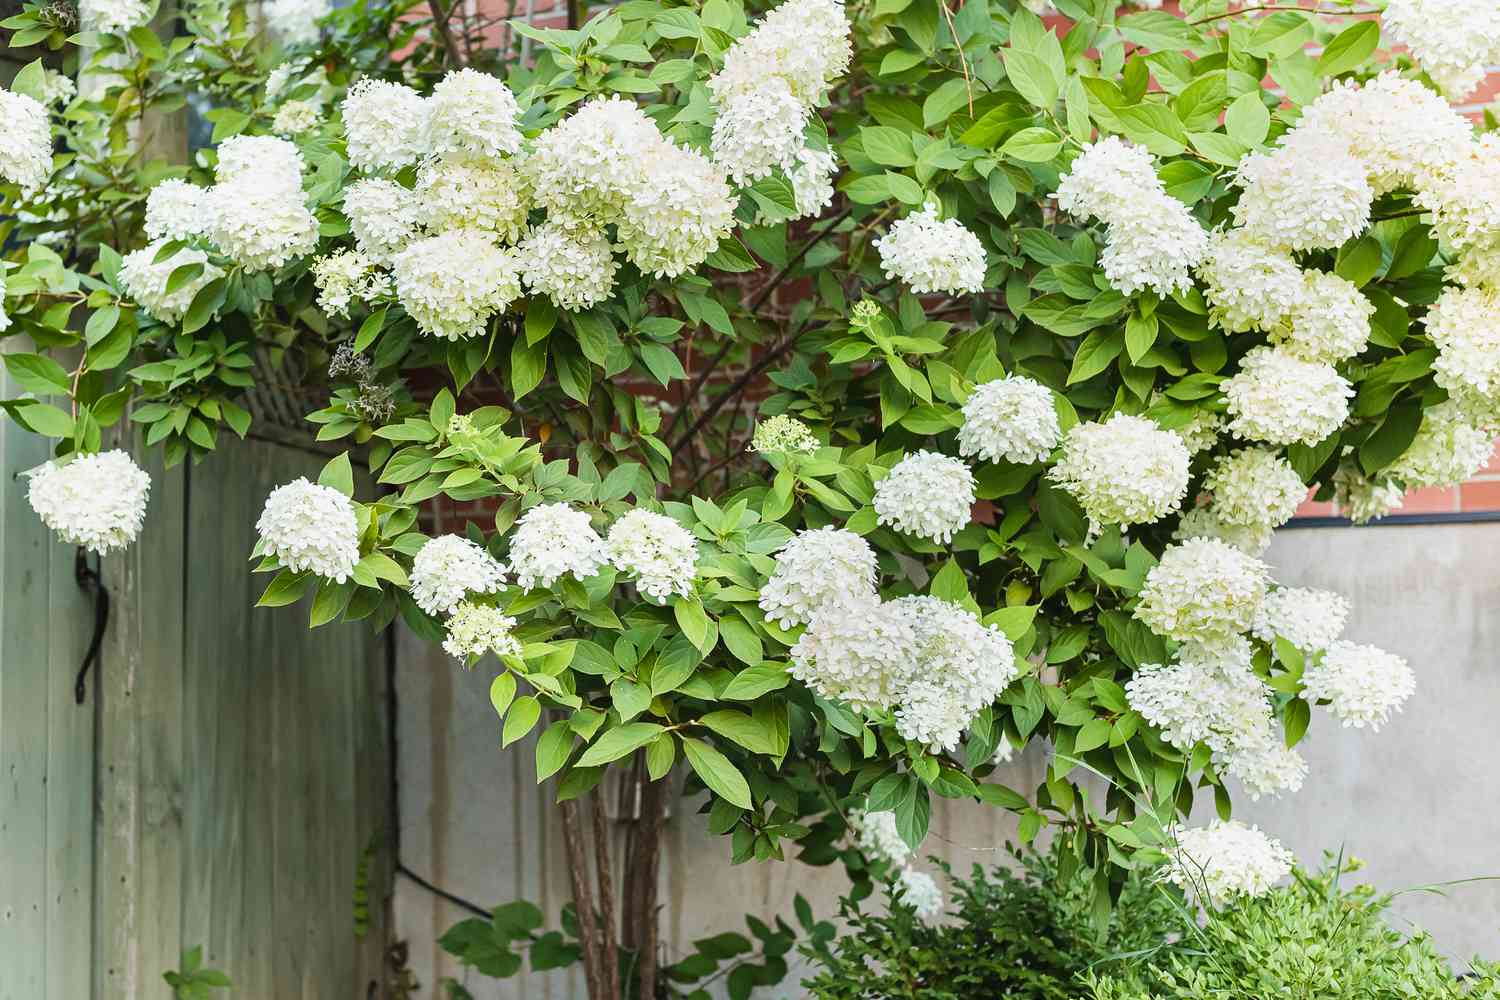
<point x="194" y="982"/>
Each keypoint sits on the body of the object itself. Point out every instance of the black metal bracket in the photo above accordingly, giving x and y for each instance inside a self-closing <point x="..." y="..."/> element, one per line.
<point x="89" y="579"/>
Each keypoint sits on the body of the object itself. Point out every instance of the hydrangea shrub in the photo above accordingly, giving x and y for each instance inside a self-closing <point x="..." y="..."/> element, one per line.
<point x="862" y="393"/>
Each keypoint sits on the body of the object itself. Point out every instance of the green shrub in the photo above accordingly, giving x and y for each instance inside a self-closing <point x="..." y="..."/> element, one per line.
<point x="1315" y="939"/>
<point x="1019" y="935"/>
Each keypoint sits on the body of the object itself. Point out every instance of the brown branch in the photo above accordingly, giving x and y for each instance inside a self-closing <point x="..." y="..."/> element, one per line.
<point x="648" y="857"/>
<point x="440" y="19"/>
<point x="1304" y="10"/>
<point x="739" y="385"/>
<point x="583" y="900"/>
<point x="611" y="953"/>
<point x="962" y="61"/>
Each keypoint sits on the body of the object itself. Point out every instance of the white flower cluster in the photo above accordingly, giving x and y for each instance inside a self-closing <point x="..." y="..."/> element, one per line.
<point x="875" y="835"/>
<point x="782" y="433"/>
<point x="812" y="180"/>
<point x="56" y="88"/>
<point x="1126" y="470"/>
<point x="1278" y="398"/>
<point x="174" y="210"/>
<point x="933" y="662"/>
<point x="1455" y="41"/>
<point x="476" y="629"/>
<point x="963" y="666"/>
<point x="813" y="568"/>
<point x="1255" y="490"/>
<point x="452" y="283"/>
<point x="609" y="163"/>
<point x="386" y="125"/>
<point x="770" y="81"/>
<point x="25" y="141"/>
<point x="1464" y="324"/>
<point x="113" y="17"/>
<point x="552" y="541"/>
<point x="492" y="195"/>
<point x="1310" y="193"/>
<point x="295" y="22"/>
<point x="1011" y="419"/>
<point x="1307" y="618"/>
<point x="574" y="266"/>
<point x="1201" y="522"/>
<point x="1215" y="698"/>
<point x="472" y="113"/>
<point x="450" y="567"/>
<point x="1446" y="451"/>
<point x="1249" y="286"/>
<point x="1151" y="239"/>
<point x="1329" y="323"/>
<point x="919" y="891"/>
<point x="311" y="527"/>
<point x="145" y="280"/>
<point x="1226" y="860"/>
<point x="295" y="117"/>
<point x="926" y="494"/>
<point x="1203" y="590"/>
<point x="1363" y="499"/>
<point x="97" y="501"/>
<point x="382" y="216"/>
<point x="659" y="552"/>
<point x="930" y="254"/>
<point x="345" y="276"/>
<point x="1363" y="685"/>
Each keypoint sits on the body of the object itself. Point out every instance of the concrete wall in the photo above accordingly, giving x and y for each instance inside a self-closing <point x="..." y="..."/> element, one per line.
<point x="1416" y="800"/>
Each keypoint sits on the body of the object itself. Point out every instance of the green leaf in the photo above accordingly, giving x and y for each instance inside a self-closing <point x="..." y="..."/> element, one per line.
<point x="740" y="639"/>
<point x="661" y="753"/>
<point x="339" y="474"/>
<point x="541" y="317"/>
<point x="903" y="188"/>
<point x="1247" y="119"/>
<point x="1032" y="145"/>
<point x="552" y="750"/>
<point x="751" y="683"/>
<point x="1155" y="127"/>
<point x="715" y="770"/>
<point x="528" y="363"/>
<point x="1351" y="47"/>
<point x="692" y="620"/>
<point x="742" y="729"/>
<point x="1036" y="78"/>
<point x="37" y="373"/>
<point x="1298" y="716"/>
<point x="285" y="588"/>
<point x="1140" y="334"/>
<point x="45" y="419"/>
<point x="502" y="692"/>
<point x="617" y="742"/>
<point x="1095" y="354"/>
<point x="888" y="146"/>
<point x="949" y="583"/>
<point x="518" y="721"/>
<point x="1359" y="261"/>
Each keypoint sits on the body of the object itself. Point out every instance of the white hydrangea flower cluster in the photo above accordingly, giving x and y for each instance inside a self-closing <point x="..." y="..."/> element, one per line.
<point x="770" y="81"/>
<point x="919" y="891"/>
<point x="1310" y="193"/>
<point x="1363" y="685"/>
<point x="345" y="276"/>
<point x="56" y="88"/>
<point x="382" y="216"/>
<point x="25" y="141"/>
<point x="1308" y="618"/>
<point x="97" y="501"/>
<point x="385" y="123"/>
<point x="660" y="553"/>
<point x="609" y="163"/>
<point x="1012" y="419"/>
<point x="295" y="22"/>
<point x="1203" y="590"/>
<point x="295" y="117"/>
<point x="450" y="567"/>
<point x="933" y="662"/>
<point x="255" y="213"/>
<point x="1214" y="697"/>
<point x="492" y="195"/>
<point x="551" y="541"/>
<point x="875" y="835"/>
<point x="812" y="181"/>
<point x="926" y="494"/>
<point x="1363" y="499"/>
<point x="476" y="629"/>
<point x="472" y="113"/>
<point x="1126" y="470"/>
<point x="1249" y="286"/>
<point x="145" y="281"/>
<point x="308" y="526"/>
<point x="1201" y="432"/>
<point x="452" y="283"/>
<point x="857" y="651"/>
<point x="813" y="568"/>
<point x="782" y="433"/>
<point x="574" y="266"/>
<point x="1226" y="860"/>
<point x="1464" y="324"/>
<point x="1278" y="398"/>
<point x="1455" y="41"/>
<point x="1447" y="450"/>
<point x="963" y="666"/>
<point x="1151" y="239"/>
<point x="1329" y="323"/>
<point x="113" y="17"/>
<point x="1201" y="522"/>
<point x="1254" y="489"/>
<point x="929" y="254"/>
<point x="174" y="210"/>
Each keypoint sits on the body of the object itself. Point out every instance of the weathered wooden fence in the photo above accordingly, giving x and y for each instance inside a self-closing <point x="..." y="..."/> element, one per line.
<point x="226" y="779"/>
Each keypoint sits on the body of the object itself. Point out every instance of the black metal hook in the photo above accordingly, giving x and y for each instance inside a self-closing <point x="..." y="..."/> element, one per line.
<point x="89" y="579"/>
